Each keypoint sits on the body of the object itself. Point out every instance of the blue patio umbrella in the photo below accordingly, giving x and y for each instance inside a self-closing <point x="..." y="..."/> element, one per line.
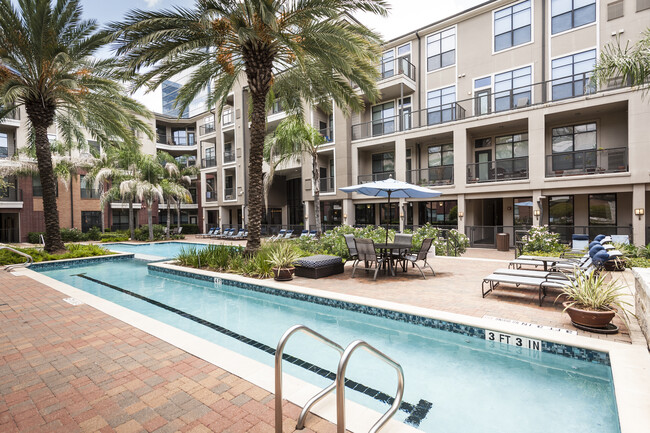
<point x="392" y="188"/>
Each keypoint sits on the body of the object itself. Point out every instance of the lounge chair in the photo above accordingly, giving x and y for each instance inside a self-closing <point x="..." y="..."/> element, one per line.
<point x="368" y="256"/>
<point x="352" y="249"/>
<point x="288" y="234"/>
<point x="280" y="235"/>
<point x="541" y="284"/>
<point x="208" y="234"/>
<point x="243" y="234"/>
<point x="312" y="234"/>
<point x="216" y="233"/>
<point x="304" y="233"/>
<point x="227" y="234"/>
<point x="421" y="256"/>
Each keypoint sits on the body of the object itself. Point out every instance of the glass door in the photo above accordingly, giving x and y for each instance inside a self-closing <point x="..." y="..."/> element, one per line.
<point x="483" y="105"/>
<point x="483" y="158"/>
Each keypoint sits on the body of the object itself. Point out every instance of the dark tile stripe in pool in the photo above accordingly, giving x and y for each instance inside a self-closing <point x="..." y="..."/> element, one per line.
<point x="416" y="412"/>
<point x="470" y="331"/>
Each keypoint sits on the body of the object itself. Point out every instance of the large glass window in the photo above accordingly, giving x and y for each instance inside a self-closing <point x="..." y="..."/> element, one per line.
<point x="383" y="163"/>
<point x="364" y="214"/>
<point x="87" y="188"/>
<point x="331" y="212"/>
<point x="441" y="49"/>
<point x="571" y="75"/>
<point x="389" y="215"/>
<point x="438" y="213"/>
<point x="441" y="155"/>
<point x="602" y="209"/>
<point x="512" y="26"/>
<point x="4" y="145"/>
<point x="560" y="210"/>
<point x="441" y="105"/>
<point x="387" y="66"/>
<point x="523" y="211"/>
<point x="512" y="89"/>
<point x="574" y="147"/>
<point x="179" y="136"/>
<point x="568" y="14"/>
<point x="383" y="118"/>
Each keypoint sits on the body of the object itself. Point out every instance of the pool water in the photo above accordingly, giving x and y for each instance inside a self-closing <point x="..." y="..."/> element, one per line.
<point x="453" y="383"/>
<point x="167" y="250"/>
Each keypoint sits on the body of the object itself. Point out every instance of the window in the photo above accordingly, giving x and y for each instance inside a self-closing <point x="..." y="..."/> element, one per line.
<point x="90" y="219"/>
<point x="569" y="14"/>
<point x="383" y="163"/>
<point x="615" y="10"/>
<point x="191" y="136"/>
<point x="438" y="213"/>
<point x="512" y="89"/>
<point x="483" y="142"/>
<point x="364" y="214"/>
<point x="441" y="105"/>
<point x="523" y="211"/>
<point x="482" y="82"/>
<point x="4" y="145"/>
<point x="602" y="209"/>
<point x="94" y="148"/>
<point x="441" y="49"/>
<point x="388" y="215"/>
<point x="169" y="92"/>
<point x="87" y="190"/>
<point x="512" y="26"/>
<point x="383" y="119"/>
<point x="387" y="66"/>
<point x="560" y="210"/>
<point x="331" y="212"/>
<point x="405" y="107"/>
<point x="37" y="188"/>
<point x="511" y="153"/>
<point x="574" y="147"/>
<point x="161" y="133"/>
<point x="179" y="136"/>
<point x="209" y="153"/>
<point x="571" y="75"/>
<point x="441" y="155"/>
<point x="228" y="154"/>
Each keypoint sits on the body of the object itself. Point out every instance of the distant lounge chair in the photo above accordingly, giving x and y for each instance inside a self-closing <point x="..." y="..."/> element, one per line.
<point x="288" y="234"/>
<point x="228" y="233"/>
<point x="280" y="234"/>
<point x="208" y="234"/>
<point x="243" y="234"/>
<point x="312" y="234"/>
<point x="541" y="284"/>
<point x="304" y="233"/>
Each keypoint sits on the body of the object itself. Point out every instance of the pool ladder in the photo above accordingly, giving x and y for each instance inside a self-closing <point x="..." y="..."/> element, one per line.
<point x="338" y="384"/>
<point x="27" y="263"/>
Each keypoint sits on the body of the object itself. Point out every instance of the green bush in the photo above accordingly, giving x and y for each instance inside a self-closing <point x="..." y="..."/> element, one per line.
<point x="190" y="229"/>
<point x="142" y="233"/>
<point x="75" y="251"/>
<point x="541" y="240"/>
<point x="35" y="237"/>
<point x="114" y="237"/>
<point x="94" y="234"/>
<point x="72" y="235"/>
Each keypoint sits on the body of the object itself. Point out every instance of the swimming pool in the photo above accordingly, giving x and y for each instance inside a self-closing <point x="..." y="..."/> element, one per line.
<point x="454" y="382"/>
<point x="166" y="250"/>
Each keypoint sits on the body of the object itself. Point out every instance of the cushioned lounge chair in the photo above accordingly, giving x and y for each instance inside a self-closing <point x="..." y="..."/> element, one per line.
<point x="540" y="284"/>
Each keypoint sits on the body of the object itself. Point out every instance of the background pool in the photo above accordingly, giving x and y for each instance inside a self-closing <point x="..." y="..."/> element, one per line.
<point x="168" y="250"/>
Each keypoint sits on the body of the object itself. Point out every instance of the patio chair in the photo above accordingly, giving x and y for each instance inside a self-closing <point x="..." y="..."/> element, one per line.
<point x="208" y="234"/>
<point x="352" y="249"/>
<point x="421" y="256"/>
<point x="227" y="234"/>
<point x="288" y="234"/>
<point x="368" y="255"/>
<point x="518" y="281"/>
<point x="243" y="234"/>
<point x="399" y="255"/>
<point x="312" y="234"/>
<point x="304" y="234"/>
<point x="216" y="234"/>
<point x="280" y="234"/>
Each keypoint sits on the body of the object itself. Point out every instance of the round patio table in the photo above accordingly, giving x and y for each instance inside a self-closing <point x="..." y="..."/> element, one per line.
<point x="386" y="250"/>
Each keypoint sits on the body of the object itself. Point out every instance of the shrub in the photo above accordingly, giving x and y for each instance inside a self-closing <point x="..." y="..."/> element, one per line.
<point x="74" y="251"/>
<point x="190" y="229"/>
<point x="35" y="237"/>
<point x="72" y="235"/>
<point x="94" y="234"/>
<point x="540" y="239"/>
<point x="114" y="237"/>
<point x="142" y="233"/>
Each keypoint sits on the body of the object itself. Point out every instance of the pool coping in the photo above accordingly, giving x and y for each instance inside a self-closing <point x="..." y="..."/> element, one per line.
<point x="630" y="364"/>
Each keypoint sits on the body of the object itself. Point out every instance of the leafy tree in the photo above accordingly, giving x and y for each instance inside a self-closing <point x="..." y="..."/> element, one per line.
<point x="309" y="49"/>
<point x="631" y="63"/>
<point x="291" y="139"/>
<point x="48" y="68"/>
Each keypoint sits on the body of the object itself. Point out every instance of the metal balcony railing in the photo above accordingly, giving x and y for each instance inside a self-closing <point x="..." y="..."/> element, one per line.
<point x="393" y="67"/>
<point x="328" y="134"/>
<point x="12" y="194"/>
<point x="228" y="156"/>
<point x="365" y="178"/>
<point x="597" y="161"/>
<point x="498" y="171"/>
<point x="12" y="115"/>
<point x="208" y="128"/>
<point x="208" y="162"/>
<point x="442" y="175"/>
<point x="229" y="194"/>
<point x="326" y="184"/>
<point x="210" y="196"/>
<point x="483" y="104"/>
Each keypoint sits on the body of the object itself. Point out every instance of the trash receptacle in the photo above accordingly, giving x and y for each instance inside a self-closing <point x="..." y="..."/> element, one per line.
<point x="503" y="241"/>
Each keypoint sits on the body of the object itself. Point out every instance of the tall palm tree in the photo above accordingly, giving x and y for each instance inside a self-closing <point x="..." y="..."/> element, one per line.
<point x="146" y="185"/>
<point x="631" y="63"/>
<point x="310" y="47"/>
<point x="174" y="192"/>
<point x="178" y="177"/>
<point x="291" y="139"/>
<point x="47" y="67"/>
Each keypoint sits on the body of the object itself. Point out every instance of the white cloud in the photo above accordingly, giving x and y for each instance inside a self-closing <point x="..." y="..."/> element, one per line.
<point x="151" y="3"/>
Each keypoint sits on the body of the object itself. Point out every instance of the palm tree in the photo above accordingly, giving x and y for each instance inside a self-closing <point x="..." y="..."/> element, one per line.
<point x="631" y="63"/>
<point x="178" y="177"/>
<point x="177" y="193"/>
<point x="48" y="68"/>
<point x="291" y="139"/>
<point x="290" y="48"/>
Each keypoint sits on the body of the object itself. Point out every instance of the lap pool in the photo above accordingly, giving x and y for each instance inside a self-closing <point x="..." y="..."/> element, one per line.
<point x="165" y="250"/>
<point x="456" y="379"/>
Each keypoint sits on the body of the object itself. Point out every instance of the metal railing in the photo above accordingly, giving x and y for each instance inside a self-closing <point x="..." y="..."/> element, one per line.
<point x="365" y="178"/>
<point x="208" y="162"/>
<point x="12" y="115"/>
<point x="498" y="171"/>
<point x="12" y="194"/>
<point x="566" y="232"/>
<point x="229" y="194"/>
<point x="90" y="193"/>
<point x="338" y="384"/>
<point x="208" y="128"/>
<point x="29" y="259"/>
<point x="327" y="133"/>
<point x="326" y="184"/>
<point x="227" y="118"/>
<point x="228" y="156"/>
<point x="394" y="67"/>
<point x="441" y="175"/>
<point x="496" y="102"/>
<point x="596" y="161"/>
<point x="211" y="196"/>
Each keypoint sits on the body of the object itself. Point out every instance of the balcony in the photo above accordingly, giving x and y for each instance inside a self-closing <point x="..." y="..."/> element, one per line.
<point x="326" y="184"/>
<point x="228" y="156"/>
<point x="12" y="118"/>
<point x="586" y="162"/>
<point x="211" y="196"/>
<point x="12" y="198"/>
<point x="500" y="170"/>
<point x="328" y="134"/>
<point x="442" y="175"/>
<point x="227" y="118"/>
<point x="90" y="193"/>
<point x="365" y="178"/>
<point x="208" y="162"/>
<point x="229" y="194"/>
<point x="208" y="128"/>
<point x="560" y="89"/>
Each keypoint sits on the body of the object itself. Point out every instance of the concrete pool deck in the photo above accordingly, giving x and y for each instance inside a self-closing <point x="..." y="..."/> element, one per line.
<point x="88" y="356"/>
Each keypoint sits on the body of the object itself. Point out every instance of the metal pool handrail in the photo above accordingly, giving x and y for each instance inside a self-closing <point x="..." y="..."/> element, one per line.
<point x="28" y="263"/>
<point x="340" y="385"/>
<point x="278" y="375"/>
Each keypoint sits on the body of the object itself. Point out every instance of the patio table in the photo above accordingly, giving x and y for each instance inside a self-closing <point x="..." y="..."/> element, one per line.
<point x="386" y="250"/>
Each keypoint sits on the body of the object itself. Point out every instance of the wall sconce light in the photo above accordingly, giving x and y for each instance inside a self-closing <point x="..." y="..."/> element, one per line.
<point x="345" y="216"/>
<point x="639" y="212"/>
<point x="537" y="213"/>
<point x="461" y="215"/>
<point x="401" y="214"/>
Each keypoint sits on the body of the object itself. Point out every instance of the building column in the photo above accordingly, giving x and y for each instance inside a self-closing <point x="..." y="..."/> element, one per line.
<point x="536" y="148"/>
<point x="307" y="214"/>
<point x="401" y="214"/>
<point x="537" y="200"/>
<point x="348" y="212"/>
<point x="354" y="161"/>
<point x="400" y="158"/>
<point x="460" y="157"/>
<point x="461" y="211"/>
<point x="223" y="216"/>
<point x="639" y="221"/>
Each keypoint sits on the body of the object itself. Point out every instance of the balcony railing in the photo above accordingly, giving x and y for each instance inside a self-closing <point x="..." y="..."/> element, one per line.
<point x="393" y="67"/>
<point x="365" y="178"/>
<point x="208" y="128"/>
<point x="229" y="194"/>
<point x="597" y="161"/>
<point x="227" y="118"/>
<point x="90" y="193"/>
<point x="498" y="171"/>
<point x="228" y="156"/>
<point x="442" y="175"/>
<point x="210" y="196"/>
<point x="12" y="115"/>
<point x="12" y="194"/>
<point x="326" y="184"/>
<point x="328" y="134"/>
<point x="208" y="162"/>
<point x="485" y="104"/>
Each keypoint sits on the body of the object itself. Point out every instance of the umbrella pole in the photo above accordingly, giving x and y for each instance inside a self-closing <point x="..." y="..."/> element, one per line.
<point x="389" y="216"/>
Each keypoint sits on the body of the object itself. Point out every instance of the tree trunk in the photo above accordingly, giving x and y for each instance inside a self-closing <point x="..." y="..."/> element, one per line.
<point x="103" y="211"/>
<point x="316" y="176"/>
<point x="169" y="217"/>
<point x="41" y="116"/>
<point x="178" y="215"/>
<point x="150" y="220"/>
<point x="131" y="228"/>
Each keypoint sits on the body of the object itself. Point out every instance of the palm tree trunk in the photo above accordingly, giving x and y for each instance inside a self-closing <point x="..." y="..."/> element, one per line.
<point x="178" y="214"/>
<point x="150" y="219"/>
<point x="41" y="117"/>
<point x="169" y="217"/>
<point x="103" y="211"/>
<point x="131" y="228"/>
<point x="316" y="176"/>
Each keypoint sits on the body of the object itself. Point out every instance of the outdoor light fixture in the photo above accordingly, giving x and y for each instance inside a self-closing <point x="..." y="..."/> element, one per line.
<point x="537" y="213"/>
<point x="460" y="215"/>
<point x="345" y="216"/>
<point x="639" y="212"/>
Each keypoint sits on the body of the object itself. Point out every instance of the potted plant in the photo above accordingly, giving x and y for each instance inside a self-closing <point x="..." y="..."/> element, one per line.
<point x="281" y="259"/>
<point x="592" y="302"/>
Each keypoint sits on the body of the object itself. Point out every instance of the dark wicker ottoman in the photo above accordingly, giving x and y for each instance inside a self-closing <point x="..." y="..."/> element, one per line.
<point x="319" y="266"/>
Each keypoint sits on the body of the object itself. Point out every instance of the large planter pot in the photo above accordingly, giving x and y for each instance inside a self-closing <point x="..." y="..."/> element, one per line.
<point x="592" y="319"/>
<point x="283" y="274"/>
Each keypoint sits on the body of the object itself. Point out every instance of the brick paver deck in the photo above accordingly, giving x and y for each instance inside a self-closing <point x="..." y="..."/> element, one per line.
<point x="67" y="368"/>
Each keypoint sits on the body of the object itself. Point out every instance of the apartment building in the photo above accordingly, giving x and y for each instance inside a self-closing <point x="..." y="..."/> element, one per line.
<point x="493" y="107"/>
